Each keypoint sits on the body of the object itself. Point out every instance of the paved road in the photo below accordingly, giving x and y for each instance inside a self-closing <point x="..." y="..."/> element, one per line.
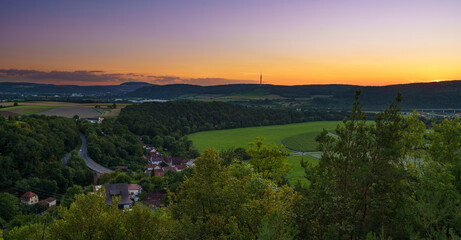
<point x="83" y="153"/>
<point x="309" y="154"/>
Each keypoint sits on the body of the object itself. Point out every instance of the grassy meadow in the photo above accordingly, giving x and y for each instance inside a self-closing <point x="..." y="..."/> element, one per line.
<point x="297" y="135"/>
<point x="240" y="137"/>
<point x="304" y="142"/>
<point x="297" y="172"/>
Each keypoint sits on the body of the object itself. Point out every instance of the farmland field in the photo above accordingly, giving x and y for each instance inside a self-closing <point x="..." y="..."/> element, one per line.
<point x="297" y="172"/>
<point x="29" y="109"/>
<point x="7" y="114"/>
<point x="69" y="112"/>
<point x="240" y="137"/>
<point x="64" y="109"/>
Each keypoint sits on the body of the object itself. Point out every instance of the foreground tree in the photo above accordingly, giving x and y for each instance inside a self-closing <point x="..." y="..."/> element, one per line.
<point x="227" y="202"/>
<point x="358" y="185"/>
<point x="269" y="162"/>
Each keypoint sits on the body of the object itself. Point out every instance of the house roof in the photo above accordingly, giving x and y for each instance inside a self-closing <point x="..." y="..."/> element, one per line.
<point x="174" y="169"/>
<point x="44" y="203"/>
<point x="177" y="160"/>
<point x="151" y="166"/>
<point x="133" y="187"/>
<point x="50" y="199"/>
<point x="155" y="198"/>
<point x="27" y="196"/>
<point x="47" y="201"/>
<point x="181" y="166"/>
<point x="118" y="189"/>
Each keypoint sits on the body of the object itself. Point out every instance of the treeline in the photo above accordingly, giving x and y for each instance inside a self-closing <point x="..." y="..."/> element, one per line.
<point x="181" y="118"/>
<point x="112" y="144"/>
<point x="164" y="125"/>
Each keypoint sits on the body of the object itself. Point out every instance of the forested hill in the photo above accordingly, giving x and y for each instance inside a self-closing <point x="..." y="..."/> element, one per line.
<point x="181" y="118"/>
<point x="178" y="90"/>
<point x="417" y="95"/>
<point x="36" y="88"/>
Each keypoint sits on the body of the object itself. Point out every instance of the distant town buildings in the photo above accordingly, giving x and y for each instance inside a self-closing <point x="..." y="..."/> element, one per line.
<point x="158" y="164"/>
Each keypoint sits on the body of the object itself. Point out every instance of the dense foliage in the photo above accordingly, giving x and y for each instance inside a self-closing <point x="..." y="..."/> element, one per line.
<point x="182" y="118"/>
<point x="32" y="146"/>
<point x="111" y="144"/>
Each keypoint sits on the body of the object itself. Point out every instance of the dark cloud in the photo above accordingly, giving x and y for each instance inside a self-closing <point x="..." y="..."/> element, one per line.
<point x="165" y="79"/>
<point x="101" y="77"/>
<point x="217" y="81"/>
<point x="63" y="76"/>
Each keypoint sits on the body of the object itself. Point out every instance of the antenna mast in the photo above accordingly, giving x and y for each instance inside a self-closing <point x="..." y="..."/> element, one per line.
<point x="260" y="79"/>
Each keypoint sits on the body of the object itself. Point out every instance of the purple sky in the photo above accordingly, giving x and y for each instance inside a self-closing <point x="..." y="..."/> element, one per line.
<point x="291" y="42"/>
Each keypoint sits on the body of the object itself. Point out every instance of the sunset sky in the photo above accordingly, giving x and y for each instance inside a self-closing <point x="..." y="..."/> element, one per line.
<point x="209" y="42"/>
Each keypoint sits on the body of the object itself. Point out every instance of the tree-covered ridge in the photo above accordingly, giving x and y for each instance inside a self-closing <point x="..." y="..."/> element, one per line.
<point x="31" y="144"/>
<point x="181" y="118"/>
<point x="444" y="94"/>
<point x="111" y="144"/>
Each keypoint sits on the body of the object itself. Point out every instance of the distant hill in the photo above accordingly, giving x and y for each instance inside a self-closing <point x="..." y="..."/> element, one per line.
<point x="35" y="88"/>
<point x="178" y="90"/>
<point x="416" y="95"/>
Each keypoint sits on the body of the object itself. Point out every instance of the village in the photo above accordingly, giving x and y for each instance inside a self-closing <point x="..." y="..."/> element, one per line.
<point x="157" y="165"/>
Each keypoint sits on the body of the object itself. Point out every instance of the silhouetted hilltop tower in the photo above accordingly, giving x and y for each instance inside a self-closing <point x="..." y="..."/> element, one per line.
<point x="260" y="79"/>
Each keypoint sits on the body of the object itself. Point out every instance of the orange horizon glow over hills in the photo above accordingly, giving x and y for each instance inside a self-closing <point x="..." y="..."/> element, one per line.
<point x="362" y="42"/>
<point x="101" y="78"/>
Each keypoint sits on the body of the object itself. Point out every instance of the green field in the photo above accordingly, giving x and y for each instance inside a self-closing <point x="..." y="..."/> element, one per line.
<point x="28" y="109"/>
<point x="304" y="142"/>
<point x="297" y="172"/>
<point x="240" y="137"/>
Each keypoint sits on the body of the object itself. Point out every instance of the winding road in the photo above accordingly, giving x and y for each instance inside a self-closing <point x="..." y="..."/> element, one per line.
<point x="83" y="153"/>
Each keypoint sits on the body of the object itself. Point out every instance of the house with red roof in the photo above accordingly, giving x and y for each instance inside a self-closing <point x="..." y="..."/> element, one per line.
<point x="29" y="198"/>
